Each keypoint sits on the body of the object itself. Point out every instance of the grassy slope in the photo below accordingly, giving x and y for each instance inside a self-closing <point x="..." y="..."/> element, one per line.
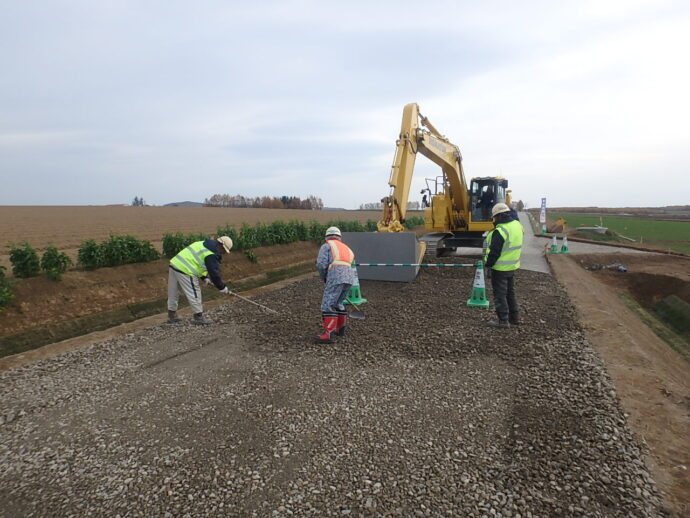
<point x="667" y="234"/>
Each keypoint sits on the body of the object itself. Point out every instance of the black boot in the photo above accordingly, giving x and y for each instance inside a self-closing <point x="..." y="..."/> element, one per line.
<point x="199" y="320"/>
<point x="173" y="318"/>
<point x="501" y="324"/>
<point x="515" y="321"/>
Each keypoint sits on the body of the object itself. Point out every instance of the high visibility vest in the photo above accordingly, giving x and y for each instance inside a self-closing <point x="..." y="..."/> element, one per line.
<point x="191" y="260"/>
<point x="341" y="254"/>
<point x="512" y="233"/>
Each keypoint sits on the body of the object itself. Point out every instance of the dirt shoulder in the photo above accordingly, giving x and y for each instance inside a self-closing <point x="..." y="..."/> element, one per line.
<point x="652" y="380"/>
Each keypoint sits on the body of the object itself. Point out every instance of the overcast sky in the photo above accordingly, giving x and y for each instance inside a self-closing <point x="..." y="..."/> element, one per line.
<point x="584" y="102"/>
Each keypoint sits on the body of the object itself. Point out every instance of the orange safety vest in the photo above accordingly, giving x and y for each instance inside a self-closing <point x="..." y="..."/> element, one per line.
<point x="341" y="253"/>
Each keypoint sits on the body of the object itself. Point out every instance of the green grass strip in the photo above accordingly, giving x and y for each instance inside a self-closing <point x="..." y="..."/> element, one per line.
<point x="673" y="339"/>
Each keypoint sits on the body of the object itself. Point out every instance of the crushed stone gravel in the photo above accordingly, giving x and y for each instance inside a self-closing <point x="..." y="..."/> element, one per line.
<point x="419" y="411"/>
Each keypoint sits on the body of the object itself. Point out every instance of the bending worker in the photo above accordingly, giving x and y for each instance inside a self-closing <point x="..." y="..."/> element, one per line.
<point x="200" y="260"/>
<point x="502" y="259"/>
<point x="334" y="264"/>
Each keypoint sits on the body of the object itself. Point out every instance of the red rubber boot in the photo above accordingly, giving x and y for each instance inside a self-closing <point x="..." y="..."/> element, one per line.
<point x="329" y="323"/>
<point x="341" y="325"/>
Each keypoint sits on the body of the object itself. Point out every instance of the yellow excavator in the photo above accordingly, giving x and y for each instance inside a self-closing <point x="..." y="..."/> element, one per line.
<point x="455" y="214"/>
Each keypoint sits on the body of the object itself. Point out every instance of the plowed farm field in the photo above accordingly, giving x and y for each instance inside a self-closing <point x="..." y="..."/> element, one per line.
<point x="67" y="227"/>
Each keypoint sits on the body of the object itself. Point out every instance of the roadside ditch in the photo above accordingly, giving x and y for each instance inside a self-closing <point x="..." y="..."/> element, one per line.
<point x="45" y="312"/>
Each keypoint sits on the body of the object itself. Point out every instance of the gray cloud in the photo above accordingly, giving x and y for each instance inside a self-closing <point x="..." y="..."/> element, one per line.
<point x="172" y="101"/>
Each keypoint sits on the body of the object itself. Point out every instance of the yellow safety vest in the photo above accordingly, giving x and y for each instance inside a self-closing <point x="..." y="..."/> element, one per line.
<point x="191" y="259"/>
<point x="509" y="259"/>
<point x="341" y="254"/>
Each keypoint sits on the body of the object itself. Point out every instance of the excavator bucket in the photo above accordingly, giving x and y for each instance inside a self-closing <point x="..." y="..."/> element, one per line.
<point x="386" y="248"/>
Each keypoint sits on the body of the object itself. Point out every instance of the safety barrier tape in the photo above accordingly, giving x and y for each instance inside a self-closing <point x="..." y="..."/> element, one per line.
<point x="438" y="265"/>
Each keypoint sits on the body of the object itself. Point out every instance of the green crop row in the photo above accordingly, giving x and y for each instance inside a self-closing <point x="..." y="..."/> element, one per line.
<point x="174" y="243"/>
<point x="115" y="251"/>
<point x="119" y="250"/>
<point x="25" y="262"/>
<point x="268" y="234"/>
<point x="55" y="263"/>
<point x="281" y="232"/>
<point x="6" y="294"/>
<point x="410" y="223"/>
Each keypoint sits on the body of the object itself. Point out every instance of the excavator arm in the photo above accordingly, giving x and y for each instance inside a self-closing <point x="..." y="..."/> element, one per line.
<point x="395" y="204"/>
<point x="417" y="134"/>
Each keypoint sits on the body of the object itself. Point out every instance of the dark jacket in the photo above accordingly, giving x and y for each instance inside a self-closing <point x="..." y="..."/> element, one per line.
<point x="497" y="240"/>
<point x="487" y="199"/>
<point x="213" y="261"/>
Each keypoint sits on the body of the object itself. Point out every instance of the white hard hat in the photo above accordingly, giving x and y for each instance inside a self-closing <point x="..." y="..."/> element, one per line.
<point x="499" y="208"/>
<point x="333" y="231"/>
<point x="226" y="242"/>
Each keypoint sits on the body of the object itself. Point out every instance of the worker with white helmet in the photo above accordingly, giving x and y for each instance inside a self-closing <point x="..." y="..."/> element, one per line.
<point x="200" y="260"/>
<point x="502" y="259"/>
<point x="334" y="264"/>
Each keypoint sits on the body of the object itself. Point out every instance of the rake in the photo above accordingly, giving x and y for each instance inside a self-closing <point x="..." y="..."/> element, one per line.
<point x="255" y="303"/>
<point x="357" y="313"/>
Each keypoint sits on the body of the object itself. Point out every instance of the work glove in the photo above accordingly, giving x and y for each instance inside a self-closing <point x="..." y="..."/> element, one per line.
<point x="487" y="273"/>
<point x="207" y="281"/>
<point x="226" y="291"/>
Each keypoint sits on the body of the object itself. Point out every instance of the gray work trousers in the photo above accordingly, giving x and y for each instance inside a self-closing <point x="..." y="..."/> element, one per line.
<point x="333" y="296"/>
<point x="503" y="287"/>
<point x="190" y="287"/>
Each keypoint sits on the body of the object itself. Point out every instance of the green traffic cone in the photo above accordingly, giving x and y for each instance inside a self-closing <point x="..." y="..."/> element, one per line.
<point x="478" y="298"/>
<point x="554" y="245"/>
<point x="564" y="246"/>
<point x="354" y="295"/>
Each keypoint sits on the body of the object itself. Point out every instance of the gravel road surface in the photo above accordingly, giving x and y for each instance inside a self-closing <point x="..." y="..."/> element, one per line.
<point x="420" y="411"/>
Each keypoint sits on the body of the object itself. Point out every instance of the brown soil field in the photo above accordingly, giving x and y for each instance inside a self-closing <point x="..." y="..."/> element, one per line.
<point x="66" y="227"/>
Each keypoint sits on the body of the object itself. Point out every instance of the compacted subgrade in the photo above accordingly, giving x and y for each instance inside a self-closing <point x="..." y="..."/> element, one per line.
<point x="420" y="410"/>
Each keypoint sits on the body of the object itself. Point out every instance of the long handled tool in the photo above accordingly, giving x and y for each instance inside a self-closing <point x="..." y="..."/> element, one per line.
<point x="356" y="313"/>
<point x="255" y="303"/>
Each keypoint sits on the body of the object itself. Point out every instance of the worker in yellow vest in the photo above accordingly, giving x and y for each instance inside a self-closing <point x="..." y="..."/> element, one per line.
<point x="200" y="260"/>
<point x="502" y="259"/>
<point x="334" y="264"/>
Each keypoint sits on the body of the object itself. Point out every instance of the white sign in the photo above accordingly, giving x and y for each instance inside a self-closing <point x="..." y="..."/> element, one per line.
<point x="478" y="279"/>
<point x="542" y="214"/>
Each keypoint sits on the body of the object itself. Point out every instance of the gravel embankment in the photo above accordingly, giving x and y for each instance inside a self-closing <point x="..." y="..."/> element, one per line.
<point x="420" y="411"/>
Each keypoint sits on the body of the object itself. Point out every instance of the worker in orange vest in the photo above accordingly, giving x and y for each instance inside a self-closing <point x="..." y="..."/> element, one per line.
<point x="334" y="264"/>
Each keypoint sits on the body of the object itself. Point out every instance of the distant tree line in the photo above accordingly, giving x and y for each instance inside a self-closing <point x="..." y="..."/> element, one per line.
<point x="668" y="210"/>
<point x="264" y="202"/>
<point x="138" y="202"/>
<point x="411" y="205"/>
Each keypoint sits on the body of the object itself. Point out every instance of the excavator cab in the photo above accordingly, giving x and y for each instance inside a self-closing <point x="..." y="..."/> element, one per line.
<point x="484" y="194"/>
